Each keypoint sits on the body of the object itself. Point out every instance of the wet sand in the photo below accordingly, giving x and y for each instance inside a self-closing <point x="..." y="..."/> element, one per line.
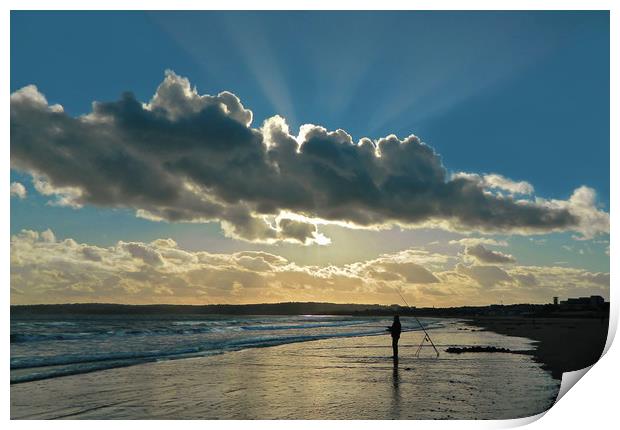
<point x="562" y="344"/>
<point x="346" y="378"/>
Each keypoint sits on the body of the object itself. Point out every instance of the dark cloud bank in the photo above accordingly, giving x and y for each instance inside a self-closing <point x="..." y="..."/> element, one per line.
<point x="196" y="158"/>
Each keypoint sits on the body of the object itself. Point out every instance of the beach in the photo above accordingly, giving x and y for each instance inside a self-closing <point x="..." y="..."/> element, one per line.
<point x="337" y="378"/>
<point x="562" y="344"/>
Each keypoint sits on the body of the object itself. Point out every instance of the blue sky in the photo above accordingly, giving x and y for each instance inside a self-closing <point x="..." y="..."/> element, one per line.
<point x="522" y="94"/>
<point x="493" y="91"/>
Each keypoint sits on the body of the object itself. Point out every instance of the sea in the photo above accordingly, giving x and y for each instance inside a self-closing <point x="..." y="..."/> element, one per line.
<point x="58" y="346"/>
<point x="137" y="366"/>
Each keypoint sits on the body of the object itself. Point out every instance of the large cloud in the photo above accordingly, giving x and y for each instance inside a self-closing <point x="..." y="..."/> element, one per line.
<point x="195" y="158"/>
<point x="45" y="269"/>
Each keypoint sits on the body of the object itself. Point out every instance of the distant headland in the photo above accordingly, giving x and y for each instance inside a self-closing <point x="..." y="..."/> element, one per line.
<point x="586" y="308"/>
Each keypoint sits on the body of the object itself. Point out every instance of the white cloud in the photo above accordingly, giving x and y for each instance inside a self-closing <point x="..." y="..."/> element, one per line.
<point x="48" y="236"/>
<point x="63" y="196"/>
<point x="486" y="276"/>
<point x="473" y="241"/>
<point x="484" y="255"/>
<point x="503" y="183"/>
<point x="497" y="182"/>
<point x="45" y="269"/>
<point x="583" y="205"/>
<point x="18" y="190"/>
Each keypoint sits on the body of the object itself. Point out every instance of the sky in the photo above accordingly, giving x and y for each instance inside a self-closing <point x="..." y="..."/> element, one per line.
<point x="235" y="157"/>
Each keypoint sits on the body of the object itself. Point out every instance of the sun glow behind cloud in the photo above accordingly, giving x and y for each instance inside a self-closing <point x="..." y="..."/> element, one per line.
<point x="45" y="269"/>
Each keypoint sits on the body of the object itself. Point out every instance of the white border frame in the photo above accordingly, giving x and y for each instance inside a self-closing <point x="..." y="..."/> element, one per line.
<point x="591" y="404"/>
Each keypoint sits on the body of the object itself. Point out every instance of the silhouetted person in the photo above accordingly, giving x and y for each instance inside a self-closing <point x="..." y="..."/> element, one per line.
<point x="395" y="330"/>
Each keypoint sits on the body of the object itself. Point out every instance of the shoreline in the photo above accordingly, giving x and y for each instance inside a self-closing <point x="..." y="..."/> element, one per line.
<point x="562" y="344"/>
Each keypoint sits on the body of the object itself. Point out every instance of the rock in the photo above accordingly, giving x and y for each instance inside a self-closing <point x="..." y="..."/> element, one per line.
<point x="456" y="350"/>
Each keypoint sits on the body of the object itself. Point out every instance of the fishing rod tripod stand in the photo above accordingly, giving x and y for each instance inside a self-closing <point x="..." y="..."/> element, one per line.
<point x="426" y="335"/>
<point x="426" y="338"/>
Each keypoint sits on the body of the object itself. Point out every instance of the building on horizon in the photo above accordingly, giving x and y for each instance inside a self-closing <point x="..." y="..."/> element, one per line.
<point x="583" y="303"/>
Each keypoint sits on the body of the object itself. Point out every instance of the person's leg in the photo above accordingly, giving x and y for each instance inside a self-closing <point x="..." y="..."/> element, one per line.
<point x="395" y="347"/>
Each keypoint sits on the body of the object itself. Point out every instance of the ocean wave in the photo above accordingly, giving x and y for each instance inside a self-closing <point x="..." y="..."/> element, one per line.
<point x="32" y="337"/>
<point x="42" y="337"/>
<point x="302" y="326"/>
<point x="58" y="360"/>
<point x="230" y="344"/>
<point x="48" y="374"/>
<point x="37" y="333"/>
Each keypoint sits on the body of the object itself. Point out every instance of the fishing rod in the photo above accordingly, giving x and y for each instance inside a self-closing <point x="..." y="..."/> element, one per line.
<point x="426" y="335"/>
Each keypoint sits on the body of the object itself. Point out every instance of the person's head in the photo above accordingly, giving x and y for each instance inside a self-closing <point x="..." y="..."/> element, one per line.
<point x="396" y="318"/>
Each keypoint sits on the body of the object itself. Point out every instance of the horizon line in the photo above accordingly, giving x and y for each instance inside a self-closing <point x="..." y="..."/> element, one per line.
<point x="270" y="304"/>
